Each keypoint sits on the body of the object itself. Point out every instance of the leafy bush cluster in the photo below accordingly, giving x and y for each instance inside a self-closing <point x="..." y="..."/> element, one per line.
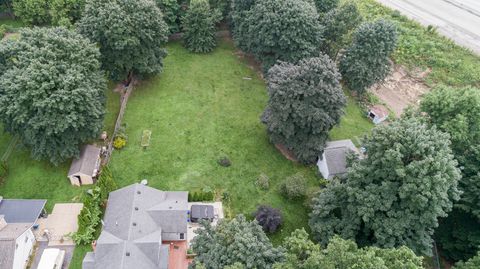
<point x="306" y="102"/>
<point x="294" y="187"/>
<point x="42" y="12"/>
<point x="263" y="182"/>
<point x="201" y="196"/>
<point x="366" y="61"/>
<point x="171" y="10"/>
<point x="269" y="218"/>
<point x="89" y="219"/>
<point x="199" y="27"/>
<point x="120" y="141"/>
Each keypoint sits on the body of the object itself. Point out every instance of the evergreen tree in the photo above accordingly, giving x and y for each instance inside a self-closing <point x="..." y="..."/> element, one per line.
<point x="199" y="27"/>
<point x="366" y="61"/>
<point x="324" y="6"/>
<point x="51" y="91"/>
<point x="306" y="101"/>
<point x="395" y="195"/>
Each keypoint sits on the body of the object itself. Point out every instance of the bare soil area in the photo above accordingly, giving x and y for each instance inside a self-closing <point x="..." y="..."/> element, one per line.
<point x="401" y="89"/>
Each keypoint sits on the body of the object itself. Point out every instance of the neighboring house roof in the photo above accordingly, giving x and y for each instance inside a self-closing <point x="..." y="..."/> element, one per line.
<point x="87" y="162"/>
<point x="135" y="219"/>
<point x="202" y="212"/>
<point x="335" y="155"/>
<point x="21" y="211"/>
<point x="20" y="215"/>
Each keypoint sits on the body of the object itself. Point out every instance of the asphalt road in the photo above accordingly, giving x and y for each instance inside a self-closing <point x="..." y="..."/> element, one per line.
<point x="457" y="19"/>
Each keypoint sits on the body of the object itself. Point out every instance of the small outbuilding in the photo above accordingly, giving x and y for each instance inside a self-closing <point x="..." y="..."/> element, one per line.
<point x="202" y="212"/>
<point x="378" y="114"/>
<point x="84" y="170"/>
<point x="333" y="162"/>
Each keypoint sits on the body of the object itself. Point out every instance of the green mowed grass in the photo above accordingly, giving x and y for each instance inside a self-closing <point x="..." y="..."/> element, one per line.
<point x="200" y="109"/>
<point x="32" y="179"/>
<point x="12" y="23"/>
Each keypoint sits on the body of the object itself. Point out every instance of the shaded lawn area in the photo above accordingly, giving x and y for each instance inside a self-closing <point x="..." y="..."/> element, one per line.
<point x="31" y="179"/>
<point x="200" y="109"/>
<point x="11" y="23"/>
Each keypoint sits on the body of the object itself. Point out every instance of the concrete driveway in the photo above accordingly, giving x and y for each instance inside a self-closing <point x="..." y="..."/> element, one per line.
<point x="458" y="20"/>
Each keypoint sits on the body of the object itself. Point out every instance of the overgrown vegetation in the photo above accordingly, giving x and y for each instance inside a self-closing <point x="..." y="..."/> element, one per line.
<point x="199" y="27"/>
<point x="419" y="47"/>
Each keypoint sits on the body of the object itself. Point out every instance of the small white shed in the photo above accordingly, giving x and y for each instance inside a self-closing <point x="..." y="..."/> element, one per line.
<point x="84" y="169"/>
<point x="333" y="161"/>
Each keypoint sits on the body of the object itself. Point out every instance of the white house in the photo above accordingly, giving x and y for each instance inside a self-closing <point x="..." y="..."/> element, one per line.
<point x="84" y="169"/>
<point x="333" y="161"/>
<point x="17" y="218"/>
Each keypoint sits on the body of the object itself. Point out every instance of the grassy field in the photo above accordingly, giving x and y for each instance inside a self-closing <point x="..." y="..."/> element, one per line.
<point x="29" y="179"/>
<point x="201" y="109"/>
<point x="422" y="48"/>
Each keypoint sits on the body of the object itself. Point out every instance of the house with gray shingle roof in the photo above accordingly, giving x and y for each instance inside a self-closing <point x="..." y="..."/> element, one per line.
<point x="333" y="162"/>
<point x="17" y="218"/>
<point x="139" y="223"/>
<point x="84" y="169"/>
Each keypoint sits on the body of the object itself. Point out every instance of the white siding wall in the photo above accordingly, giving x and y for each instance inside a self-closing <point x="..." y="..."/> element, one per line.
<point x="24" y="245"/>
<point x="322" y="167"/>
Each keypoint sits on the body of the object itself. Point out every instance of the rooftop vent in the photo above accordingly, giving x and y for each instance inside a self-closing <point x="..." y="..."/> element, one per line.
<point x="127" y="254"/>
<point x="136" y="208"/>
<point x="138" y="192"/>
<point x="134" y="224"/>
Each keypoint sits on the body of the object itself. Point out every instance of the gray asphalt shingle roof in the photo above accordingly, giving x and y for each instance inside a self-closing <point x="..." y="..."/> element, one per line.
<point x="135" y="219"/>
<point x="87" y="162"/>
<point x="336" y="155"/>
<point x="21" y="211"/>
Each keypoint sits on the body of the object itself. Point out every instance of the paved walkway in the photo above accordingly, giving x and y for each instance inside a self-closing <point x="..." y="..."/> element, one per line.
<point x="62" y="222"/>
<point x="456" y="19"/>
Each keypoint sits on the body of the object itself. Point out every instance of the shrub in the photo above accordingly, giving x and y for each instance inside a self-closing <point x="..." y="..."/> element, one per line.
<point x="34" y="12"/>
<point x="66" y="12"/>
<point x="224" y="161"/>
<point x="3" y="31"/>
<point x="269" y="218"/>
<point x="119" y="142"/>
<point x="106" y="183"/>
<point x="306" y="102"/>
<point x="89" y="218"/>
<point x="199" y="27"/>
<point x="282" y="30"/>
<point x="201" y="196"/>
<point x="239" y="14"/>
<point x="263" y="182"/>
<point x="3" y="171"/>
<point x="294" y="187"/>
<point x="367" y="61"/>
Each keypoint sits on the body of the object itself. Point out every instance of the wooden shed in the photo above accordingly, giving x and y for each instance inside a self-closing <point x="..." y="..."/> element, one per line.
<point x="84" y="169"/>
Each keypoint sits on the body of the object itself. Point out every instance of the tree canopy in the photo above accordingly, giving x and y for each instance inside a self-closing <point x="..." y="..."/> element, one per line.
<point x="199" y="27"/>
<point x="282" y="30"/>
<point x="338" y="23"/>
<point x="33" y="12"/>
<point x="306" y="101"/>
<point x="56" y="12"/>
<point x="367" y="61"/>
<point x="339" y="253"/>
<point x="131" y="35"/>
<point x="324" y="6"/>
<point x="457" y="112"/>
<point x="395" y="195"/>
<point x="473" y="263"/>
<point x="235" y="241"/>
<point x="51" y="91"/>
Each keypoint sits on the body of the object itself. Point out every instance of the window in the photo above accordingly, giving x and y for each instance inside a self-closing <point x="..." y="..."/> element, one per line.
<point x="182" y="236"/>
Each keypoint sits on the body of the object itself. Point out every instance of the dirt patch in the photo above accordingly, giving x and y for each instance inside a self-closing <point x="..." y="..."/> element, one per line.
<point x="401" y="89"/>
<point x="286" y="153"/>
<point x="251" y="62"/>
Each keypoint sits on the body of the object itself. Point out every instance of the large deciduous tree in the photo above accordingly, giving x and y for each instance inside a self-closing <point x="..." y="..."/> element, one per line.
<point x="339" y="253"/>
<point x="338" y="24"/>
<point x="66" y="12"/>
<point x="367" y="61"/>
<point x="235" y="241"/>
<point x="131" y="35"/>
<point x="51" y="91"/>
<point x="33" y="12"/>
<point x="395" y="195"/>
<point x="457" y="112"/>
<point x="473" y="263"/>
<point x="199" y="27"/>
<point x="282" y="30"/>
<point x="306" y="101"/>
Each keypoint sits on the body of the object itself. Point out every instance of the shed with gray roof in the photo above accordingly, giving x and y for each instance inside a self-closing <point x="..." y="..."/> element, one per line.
<point x="84" y="169"/>
<point x="333" y="162"/>
<point x="137" y="220"/>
